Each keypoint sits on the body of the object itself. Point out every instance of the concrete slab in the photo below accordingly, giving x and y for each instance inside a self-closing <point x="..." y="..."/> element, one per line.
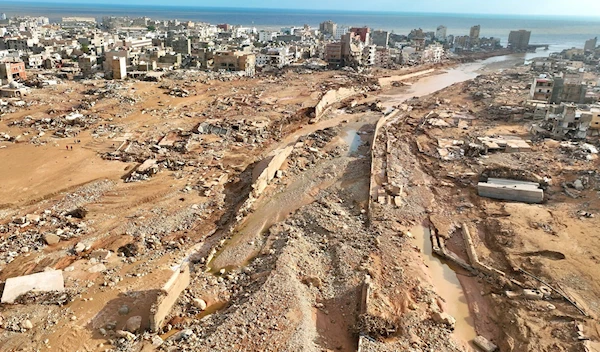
<point x="40" y="282"/>
<point x="169" y="295"/>
<point x="527" y="192"/>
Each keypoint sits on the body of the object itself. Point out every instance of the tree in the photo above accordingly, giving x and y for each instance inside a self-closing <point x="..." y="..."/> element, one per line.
<point x="152" y="28"/>
<point x="85" y="48"/>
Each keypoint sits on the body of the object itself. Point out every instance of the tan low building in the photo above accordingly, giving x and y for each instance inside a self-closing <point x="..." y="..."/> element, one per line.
<point x="235" y="61"/>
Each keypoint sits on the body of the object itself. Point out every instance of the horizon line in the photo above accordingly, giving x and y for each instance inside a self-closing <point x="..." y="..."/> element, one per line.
<point x="300" y="9"/>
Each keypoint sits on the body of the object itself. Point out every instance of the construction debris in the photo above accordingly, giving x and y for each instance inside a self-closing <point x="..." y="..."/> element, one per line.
<point x="41" y="282"/>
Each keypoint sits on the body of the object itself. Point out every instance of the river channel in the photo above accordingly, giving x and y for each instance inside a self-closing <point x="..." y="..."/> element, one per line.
<point x="303" y="190"/>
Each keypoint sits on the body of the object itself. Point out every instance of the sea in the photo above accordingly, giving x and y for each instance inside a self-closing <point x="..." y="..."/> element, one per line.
<point x="558" y="32"/>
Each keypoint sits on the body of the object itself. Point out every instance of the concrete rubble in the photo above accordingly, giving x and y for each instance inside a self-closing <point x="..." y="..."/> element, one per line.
<point x="280" y="210"/>
<point x="41" y="282"/>
<point x="528" y="192"/>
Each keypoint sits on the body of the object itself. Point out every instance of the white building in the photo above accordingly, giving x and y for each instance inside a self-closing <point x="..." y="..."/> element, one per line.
<point x="244" y="31"/>
<point x="137" y="43"/>
<point x="267" y="36"/>
<point x="339" y="32"/>
<point x="276" y="57"/>
<point x="407" y="55"/>
<point x="262" y="60"/>
<point x="433" y="53"/>
<point x="288" y="30"/>
<point x="206" y="31"/>
<point x="119" y="67"/>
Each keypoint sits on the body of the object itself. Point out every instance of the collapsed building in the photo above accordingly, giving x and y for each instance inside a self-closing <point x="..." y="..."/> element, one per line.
<point x="568" y="121"/>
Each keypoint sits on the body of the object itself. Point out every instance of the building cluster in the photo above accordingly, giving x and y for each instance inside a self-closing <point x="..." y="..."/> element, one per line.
<point x="121" y="47"/>
<point x="565" y="93"/>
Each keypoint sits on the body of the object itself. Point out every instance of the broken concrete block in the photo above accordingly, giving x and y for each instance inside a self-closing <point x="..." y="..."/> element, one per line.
<point x="125" y="334"/>
<point x="504" y="189"/>
<point x="98" y="268"/>
<point x="32" y="218"/>
<point x="41" y="282"/>
<point x="169" y="295"/>
<point x="398" y="201"/>
<point x="26" y="324"/>
<point x="444" y="318"/>
<point x="484" y="344"/>
<point x="101" y="254"/>
<point x="533" y="294"/>
<point x="51" y="239"/>
<point x="156" y="341"/>
<point x="182" y="335"/>
<point x="512" y="294"/>
<point x="396" y="190"/>
<point x="79" y="247"/>
<point x="20" y="221"/>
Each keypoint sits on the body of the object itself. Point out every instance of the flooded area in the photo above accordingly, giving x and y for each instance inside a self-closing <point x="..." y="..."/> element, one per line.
<point x="446" y="285"/>
<point x="246" y="242"/>
<point x="461" y="73"/>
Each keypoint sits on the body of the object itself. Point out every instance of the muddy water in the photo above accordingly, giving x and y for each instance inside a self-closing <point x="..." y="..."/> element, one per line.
<point x="246" y="241"/>
<point x="353" y="140"/>
<point x="447" y="286"/>
<point x="244" y="245"/>
<point x="461" y="73"/>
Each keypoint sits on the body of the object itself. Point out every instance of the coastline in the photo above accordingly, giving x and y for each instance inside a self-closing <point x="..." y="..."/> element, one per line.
<point x="574" y="31"/>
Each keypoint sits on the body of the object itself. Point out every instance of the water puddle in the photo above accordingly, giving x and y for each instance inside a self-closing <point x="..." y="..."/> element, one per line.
<point x="270" y="211"/>
<point x="353" y="140"/>
<point x="447" y="286"/>
<point x="213" y="308"/>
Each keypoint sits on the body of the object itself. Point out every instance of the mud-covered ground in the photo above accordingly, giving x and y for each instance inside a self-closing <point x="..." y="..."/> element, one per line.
<point x="309" y="265"/>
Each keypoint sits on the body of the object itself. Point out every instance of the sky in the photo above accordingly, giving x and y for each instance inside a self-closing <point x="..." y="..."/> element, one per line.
<point x="584" y="8"/>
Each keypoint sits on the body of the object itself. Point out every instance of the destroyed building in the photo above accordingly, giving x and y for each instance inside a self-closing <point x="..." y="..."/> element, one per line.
<point x="11" y="70"/>
<point x="566" y="120"/>
<point x="556" y="89"/>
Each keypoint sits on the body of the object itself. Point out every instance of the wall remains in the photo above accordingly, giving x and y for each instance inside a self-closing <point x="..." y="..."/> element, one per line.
<point x="330" y="98"/>
<point x="519" y="191"/>
<point x="266" y="175"/>
<point x="169" y="295"/>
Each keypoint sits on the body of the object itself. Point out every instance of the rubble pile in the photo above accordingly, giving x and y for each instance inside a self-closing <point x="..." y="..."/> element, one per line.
<point x="504" y="94"/>
<point x="311" y="149"/>
<point x="177" y="91"/>
<point x="47" y="298"/>
<point x="112" y="91"/>
<point x="62" y="127"/>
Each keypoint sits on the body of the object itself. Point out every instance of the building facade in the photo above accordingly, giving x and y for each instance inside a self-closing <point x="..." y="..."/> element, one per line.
<point x="441" y="33"/>
<point x="12" y="70"/>
<point x="519" y="40"/>
<point x="542" y="88"/>
<point x="381" y="38"/>
<point x="235" y="61"/>
<point x="590" y="45"/>
<point x="328" y="28"/>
